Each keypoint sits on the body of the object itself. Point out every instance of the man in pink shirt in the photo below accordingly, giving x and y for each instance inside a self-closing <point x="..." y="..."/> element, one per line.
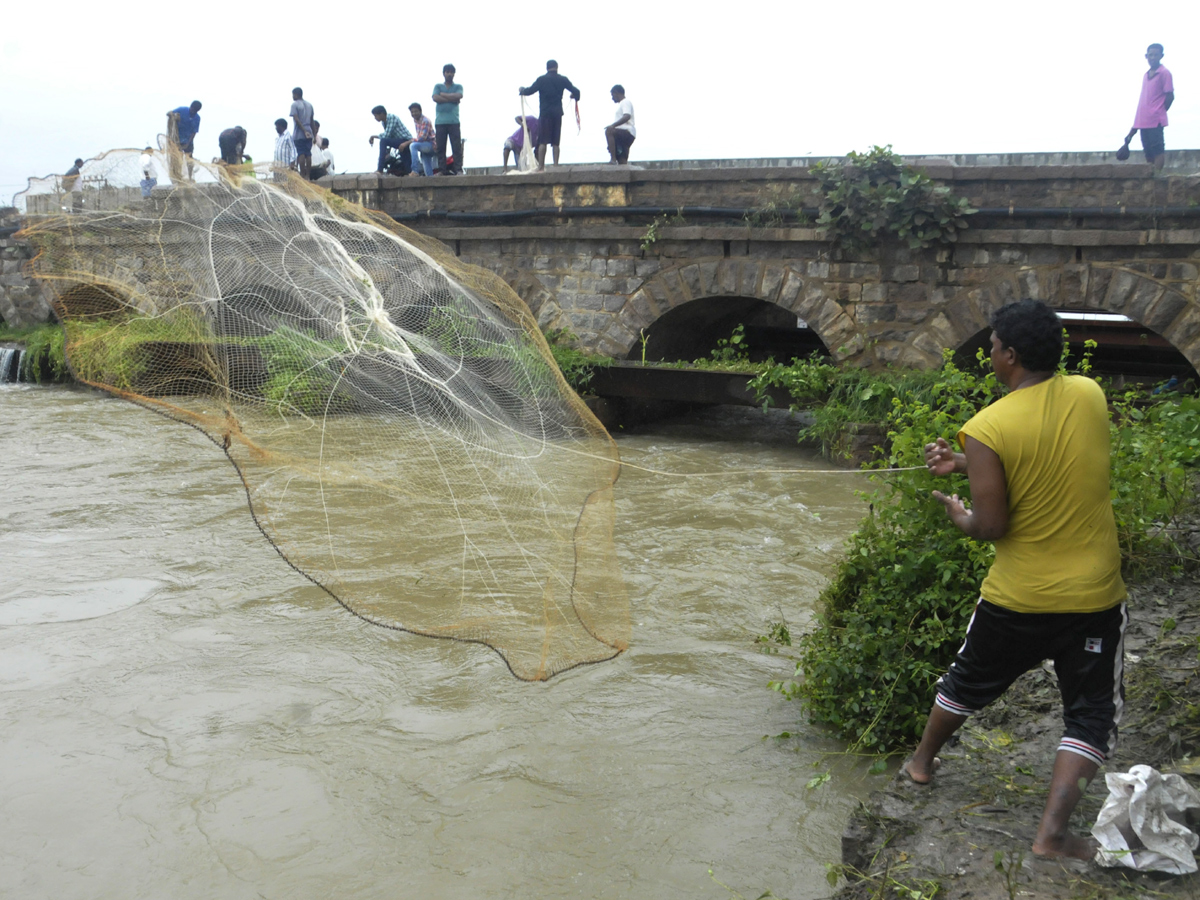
<point x="1158" y="93"/>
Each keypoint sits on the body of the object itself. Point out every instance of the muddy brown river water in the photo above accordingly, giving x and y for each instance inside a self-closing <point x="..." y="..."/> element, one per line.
<point x="182" y="715"/>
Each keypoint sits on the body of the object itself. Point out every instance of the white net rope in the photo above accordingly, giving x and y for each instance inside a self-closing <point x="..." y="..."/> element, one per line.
<point x="405" y="438"/>
<point x="527" y="158"/>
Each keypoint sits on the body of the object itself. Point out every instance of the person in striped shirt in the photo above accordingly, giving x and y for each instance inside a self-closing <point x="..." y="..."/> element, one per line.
<point x="285" y="150"/>
<point x="394" y="134"/>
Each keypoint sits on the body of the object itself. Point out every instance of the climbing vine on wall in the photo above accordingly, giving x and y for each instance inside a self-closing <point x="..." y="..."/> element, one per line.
<point x="874" y="195"/>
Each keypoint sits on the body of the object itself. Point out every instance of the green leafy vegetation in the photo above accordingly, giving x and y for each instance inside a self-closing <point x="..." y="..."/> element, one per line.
<point x="839" y="399"/>
<point x="576" y="366"/>
<point x="894" y="614"/>
<point x="875" y="196"/>
<point x="734" y="348"/>
<point x="115" y="352"/>
<point x="302" y="371"/>
<point x="652" y="230"/>
<point x="780" y="210"/>
<point x="44" y="357"/>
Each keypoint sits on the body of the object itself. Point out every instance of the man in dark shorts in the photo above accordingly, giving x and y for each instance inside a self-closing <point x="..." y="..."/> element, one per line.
<point x="1158" y="93"/>
<point x="183" y="123"/>
<point x="302" y="135"/>
<point x="232" y="142"/>
<point x="549" y="88"/>
<point x="72" y="183"/>
<point x="1038" y="464"/>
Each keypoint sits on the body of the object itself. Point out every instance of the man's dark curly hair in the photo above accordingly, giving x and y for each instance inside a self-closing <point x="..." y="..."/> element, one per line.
<point x="1034" y="330"/>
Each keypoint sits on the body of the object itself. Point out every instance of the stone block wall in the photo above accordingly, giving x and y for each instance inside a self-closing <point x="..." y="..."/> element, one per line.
<point x="599" y="276"/>
<point x="602" y="277"/>
<point x="23" y="302"/>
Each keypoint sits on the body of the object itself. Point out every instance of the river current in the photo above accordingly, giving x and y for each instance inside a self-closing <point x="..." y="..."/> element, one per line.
<point x="183" y="715"/>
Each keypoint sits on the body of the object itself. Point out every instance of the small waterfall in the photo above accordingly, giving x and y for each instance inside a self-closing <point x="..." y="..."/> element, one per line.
<point x="10" y="364"/>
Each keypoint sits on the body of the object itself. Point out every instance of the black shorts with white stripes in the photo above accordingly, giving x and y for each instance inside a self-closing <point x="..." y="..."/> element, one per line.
<point x="1088" y="653"/>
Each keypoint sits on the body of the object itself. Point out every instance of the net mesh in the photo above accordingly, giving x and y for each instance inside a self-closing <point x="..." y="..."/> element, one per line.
<point x="404" y="436"/>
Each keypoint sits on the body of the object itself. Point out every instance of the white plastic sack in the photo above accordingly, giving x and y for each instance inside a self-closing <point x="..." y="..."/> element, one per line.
<point x="1143" y="822"/>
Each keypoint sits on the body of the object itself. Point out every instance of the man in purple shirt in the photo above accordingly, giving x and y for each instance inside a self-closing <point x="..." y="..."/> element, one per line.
<point x="1158" y="93"/>
<point x="516" y="142"/>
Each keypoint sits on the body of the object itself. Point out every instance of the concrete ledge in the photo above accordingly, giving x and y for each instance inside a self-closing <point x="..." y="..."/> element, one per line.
<point x="1078" y="237"/>
<point x="577" y="174"/>
<point x="1065" y="237"/>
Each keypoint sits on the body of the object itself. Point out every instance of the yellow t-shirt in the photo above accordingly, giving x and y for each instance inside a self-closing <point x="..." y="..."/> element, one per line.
<point x="1060" y="551"/>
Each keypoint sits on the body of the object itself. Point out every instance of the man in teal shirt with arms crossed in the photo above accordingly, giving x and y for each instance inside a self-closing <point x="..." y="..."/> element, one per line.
<point x="447" y="95"/>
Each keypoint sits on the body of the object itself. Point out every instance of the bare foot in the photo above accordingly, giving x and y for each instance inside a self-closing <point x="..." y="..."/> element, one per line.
<point x="919" y="776"/>
<point x="1069" y="845"/>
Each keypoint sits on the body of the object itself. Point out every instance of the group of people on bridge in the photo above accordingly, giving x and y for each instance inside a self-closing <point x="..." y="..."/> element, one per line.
<point x="430" y="148"/>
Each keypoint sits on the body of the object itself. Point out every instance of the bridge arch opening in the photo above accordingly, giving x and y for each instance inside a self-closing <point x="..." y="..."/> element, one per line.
<point x="691" y="331"/>
<point x="1126" y="350"/>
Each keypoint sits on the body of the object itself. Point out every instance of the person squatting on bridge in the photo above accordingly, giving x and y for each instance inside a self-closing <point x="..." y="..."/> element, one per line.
<point x="515" y="142"/>
<point x="1158" y="93"/>
<point x="149" y="173"/>
<point x="183" y="124"/>
<point x="549" y="88"/>
<point x="394" y="134"/>
<point x="1038" y="465"/>
<point x="322" y="160"/>
<point x="621" y="134"/>
<point x="232" y="142"/>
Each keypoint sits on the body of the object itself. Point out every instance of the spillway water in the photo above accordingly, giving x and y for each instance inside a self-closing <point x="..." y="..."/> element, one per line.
<point x="185" y="716"/>
<point x="11" y="359"/>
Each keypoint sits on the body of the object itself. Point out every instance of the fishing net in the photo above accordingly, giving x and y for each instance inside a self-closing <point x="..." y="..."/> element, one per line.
<point x="403" y="434"/>
<point x="527" y="158"/>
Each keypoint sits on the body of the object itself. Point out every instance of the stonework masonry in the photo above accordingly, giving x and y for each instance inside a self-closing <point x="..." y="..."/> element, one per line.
<point x="1103" y="237"/>
<point x="572" y="242"/>
<point x="23" y="302"/>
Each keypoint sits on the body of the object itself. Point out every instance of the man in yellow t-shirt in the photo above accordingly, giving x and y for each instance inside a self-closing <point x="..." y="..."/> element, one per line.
<point x="1038" y="465"/>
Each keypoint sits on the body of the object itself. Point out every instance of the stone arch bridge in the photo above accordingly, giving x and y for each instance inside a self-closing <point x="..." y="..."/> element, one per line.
<point x="604" y="252"/>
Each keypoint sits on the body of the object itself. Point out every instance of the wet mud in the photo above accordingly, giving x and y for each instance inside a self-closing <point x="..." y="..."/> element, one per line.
<point x="969" y="834"/>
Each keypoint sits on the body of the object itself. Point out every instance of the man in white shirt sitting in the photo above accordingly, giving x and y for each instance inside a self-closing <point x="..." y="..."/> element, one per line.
<point x="322" y="161"/>
<point x="622" y="132"/>
<point x="149" y="172"/>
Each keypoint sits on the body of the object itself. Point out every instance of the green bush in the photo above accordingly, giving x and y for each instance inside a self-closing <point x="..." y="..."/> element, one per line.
<point x="894" y="614"/>
<point x="876" y="195"/>
<point x="1155" y="448"/>
<point x="576" y="366"/>
<point x="44" y="357"/>
<point x="836" y="397"/>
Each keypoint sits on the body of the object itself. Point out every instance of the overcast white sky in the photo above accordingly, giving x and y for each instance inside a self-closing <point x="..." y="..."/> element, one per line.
<point x="706" y="79"/>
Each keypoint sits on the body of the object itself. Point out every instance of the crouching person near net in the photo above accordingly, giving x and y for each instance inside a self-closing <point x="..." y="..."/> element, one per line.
<point x="1038" y="465"/>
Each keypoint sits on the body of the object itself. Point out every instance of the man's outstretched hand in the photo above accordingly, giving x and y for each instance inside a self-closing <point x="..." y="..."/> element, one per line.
<point x="940" y="458"/>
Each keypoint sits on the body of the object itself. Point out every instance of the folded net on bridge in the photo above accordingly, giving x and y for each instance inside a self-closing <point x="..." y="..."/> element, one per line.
<point x="405" y="438"/>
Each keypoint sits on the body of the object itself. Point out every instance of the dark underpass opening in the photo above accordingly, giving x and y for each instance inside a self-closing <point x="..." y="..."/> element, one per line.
<point x="1125" y="351"/>
<point x="691" y="331"/>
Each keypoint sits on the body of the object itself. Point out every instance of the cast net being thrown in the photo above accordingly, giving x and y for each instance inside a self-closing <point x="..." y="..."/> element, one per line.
<point x="404" y="436"/>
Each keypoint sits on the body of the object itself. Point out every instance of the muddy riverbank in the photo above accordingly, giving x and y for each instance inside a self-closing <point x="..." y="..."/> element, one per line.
<point x="989" y="793"/>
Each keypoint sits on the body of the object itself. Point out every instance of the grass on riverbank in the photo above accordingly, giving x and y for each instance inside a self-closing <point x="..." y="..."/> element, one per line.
<point x="44" y="358"/>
